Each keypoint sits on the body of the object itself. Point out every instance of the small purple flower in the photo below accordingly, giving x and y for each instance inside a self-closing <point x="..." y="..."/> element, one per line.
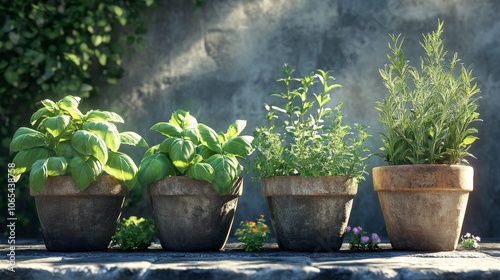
<point x="356" y="230"/>
<point x="375" y="238"/>
<point x="347" y="229"/>
<point x="365" y="239"/>
<point x="360" y="228"/>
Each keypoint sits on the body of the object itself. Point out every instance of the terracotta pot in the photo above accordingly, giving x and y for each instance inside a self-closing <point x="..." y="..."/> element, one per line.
<point x="423" y="205"/>
<point x="309" y="214"/>
<point x="79" y="221"/>
<point x="190" y="215"/>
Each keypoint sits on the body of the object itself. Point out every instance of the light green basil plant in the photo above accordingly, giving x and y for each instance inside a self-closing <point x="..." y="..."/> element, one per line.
<point x="68" y="142"/>
<point x="197" y="151"/>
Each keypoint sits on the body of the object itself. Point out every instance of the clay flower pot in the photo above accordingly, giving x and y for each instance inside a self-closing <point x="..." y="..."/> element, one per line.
<point x="189" y="214"/>
<point x="309" y="214"/>
<point x="423" y="205"/>
<point x="79" y="221"/>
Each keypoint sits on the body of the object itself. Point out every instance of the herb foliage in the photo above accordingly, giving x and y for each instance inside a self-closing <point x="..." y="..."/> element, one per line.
<point x="68" y="142"/>
<point x="196" y="150"/>
<point x="304" y="136"/>
<point x="427" y="115"/>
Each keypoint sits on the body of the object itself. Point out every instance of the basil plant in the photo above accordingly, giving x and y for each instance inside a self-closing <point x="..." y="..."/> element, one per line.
<point x="68" y="142"/>
<point x="196" y="150"/>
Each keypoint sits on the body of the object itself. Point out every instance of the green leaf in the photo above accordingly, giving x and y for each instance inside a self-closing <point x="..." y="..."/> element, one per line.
<point x="56" y="166"/>
<point x="117" y="10"/>
<point x="96" y="40"/>
<point x="57" y="125"/>
<point x="155" y="167"/>
<point x="167" y="129"/>
<point x="201" y="171"/>
<point x="38" y="174"/>
<point x="183" y="120"/>
<point x="181" y="153"/>
<point x="154" y="149"/>
<point x="42" y="112"/>
<point x="469" y="140"/>
<point x="236" y="128"/>
<point x="209" y="138"/>
<point x="204" y="151"/>
<point x="89" y="143"/>
<point x="84" y="170"/>
<point x="106" y="131"/>
<point x="239" y="146"/>
<point x="70" y="104"/>
<point x="72" y="57"/>
<point x="166" y="145"/>
<point x="226" y="171"/>
<point x="50" y="105"/>
<point x="64" y="149"/>
<point x="25" y="159"/>
<point x="26" y="138"/>
<point x="132" y="138"/>
<point x="191" y="134"/>
<point x="97" y="115"/>
<point x="122" y="167"/>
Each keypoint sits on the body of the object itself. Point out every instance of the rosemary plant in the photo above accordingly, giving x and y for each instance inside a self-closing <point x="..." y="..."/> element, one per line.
<point x="427" y="115"/>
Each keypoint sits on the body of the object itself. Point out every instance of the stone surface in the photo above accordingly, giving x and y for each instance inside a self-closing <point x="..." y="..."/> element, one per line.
<point x="34" y="262"/>
<point x="221" y="62"/>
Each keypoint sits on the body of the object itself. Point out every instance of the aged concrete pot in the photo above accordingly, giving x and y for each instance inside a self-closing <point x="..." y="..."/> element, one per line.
<point x="190" y="215"/>
<point x="423" y="205"/>
<point x="309" y="214"/>
<point x="79" y="221"/>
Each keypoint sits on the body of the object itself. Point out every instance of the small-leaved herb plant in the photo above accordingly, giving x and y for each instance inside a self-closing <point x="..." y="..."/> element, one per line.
<point x="68" y="142"/>
<point x="196" y="150"/>
<point x="134" y="233"/>
<point x="427" y="115"/>
<point x="304" y="136"/>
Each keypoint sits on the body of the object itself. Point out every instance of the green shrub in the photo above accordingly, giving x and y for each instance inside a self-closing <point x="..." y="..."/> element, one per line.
<point x="134" y="233"/>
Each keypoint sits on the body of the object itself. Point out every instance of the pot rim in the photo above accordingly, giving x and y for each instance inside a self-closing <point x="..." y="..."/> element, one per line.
<point x="183" y="185"/>
<point x="423" y="177"/>
<point x="297" y="185"/>
<point x="64" y="185"/>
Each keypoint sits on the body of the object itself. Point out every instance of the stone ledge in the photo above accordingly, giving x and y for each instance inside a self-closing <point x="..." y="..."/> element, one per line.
<point x="34" y="262"/>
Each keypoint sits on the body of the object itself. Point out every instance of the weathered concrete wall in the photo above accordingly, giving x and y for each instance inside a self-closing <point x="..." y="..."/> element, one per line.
<point x="221" y="63"/>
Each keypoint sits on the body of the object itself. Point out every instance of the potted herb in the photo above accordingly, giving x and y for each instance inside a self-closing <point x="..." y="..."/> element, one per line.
<point x="427" y="118"/>
<point x="77" y="175"/>
<point x="193" y="182"/>
<point x="309" y="164"/>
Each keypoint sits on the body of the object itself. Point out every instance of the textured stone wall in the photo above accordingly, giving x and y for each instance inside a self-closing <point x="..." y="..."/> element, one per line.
<point x="221" y="62"/>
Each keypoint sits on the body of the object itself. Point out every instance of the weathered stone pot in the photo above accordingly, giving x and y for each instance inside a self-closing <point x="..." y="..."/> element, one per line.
<point x="190" y="215"/>
<point x="309" y="214"/>
<point x="423" y="205"/>
<point x="79" y="221"/>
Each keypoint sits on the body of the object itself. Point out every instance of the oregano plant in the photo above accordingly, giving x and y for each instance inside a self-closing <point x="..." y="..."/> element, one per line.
<point x="304" y="136"/>
<point x="427" y="115"/>
<point x="68" y="142"/>
<point x="195" y="150"/>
